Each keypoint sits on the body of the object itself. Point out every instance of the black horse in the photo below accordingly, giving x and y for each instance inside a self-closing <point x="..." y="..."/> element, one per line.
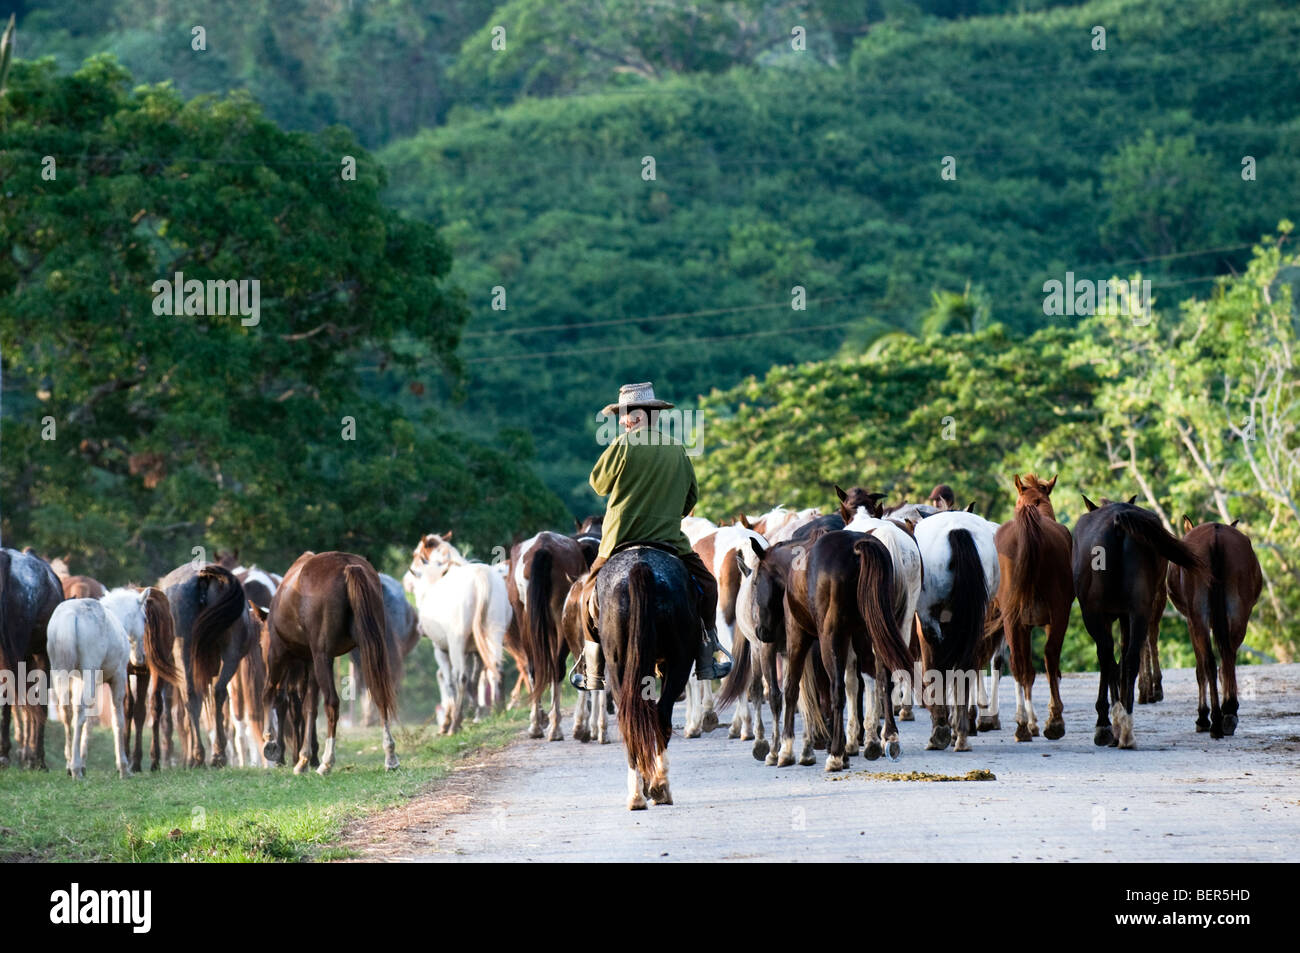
<point x="648" y="630"/>
<point x="1120" y="556"/>
<point x="29" y="592"/>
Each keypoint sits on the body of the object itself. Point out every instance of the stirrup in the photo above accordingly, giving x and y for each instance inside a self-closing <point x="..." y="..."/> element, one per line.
<point x="713" y="669"/>
<point x="584" y="681"/>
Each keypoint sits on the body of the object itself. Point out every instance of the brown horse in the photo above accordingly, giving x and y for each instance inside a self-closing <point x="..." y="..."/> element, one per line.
<point x="1037" y="588"/>
<point x="1217" y="610"/>
<point x="215" y="630"/>
<point x="542" y="568"/>
<point x="328" y="604"/>
<point x="29" y="593"/>
<point x="1121" y="552"/>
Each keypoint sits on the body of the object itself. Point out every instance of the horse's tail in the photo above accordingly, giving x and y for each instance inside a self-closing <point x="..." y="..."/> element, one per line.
<point x="488" y="649"/>
<point x="809" y="701"/>
<point x="737" y="683"/>
<point x="159" y="637"/>
<point x="368" y="634"/>
<point x="61" y="644"/>
<point x="539" y="630"/>
<point x="1219" y="598"/>
<point x="8" y="639"/>
<point x="1033" y="541"/>
<point x="1144" y="527"/>
<point x="876" y="603"/>
<point x="253" y="671"/>
<point x="638" y="714"/>
<point x="207" y="638"/>
<point x="969" y="600"/>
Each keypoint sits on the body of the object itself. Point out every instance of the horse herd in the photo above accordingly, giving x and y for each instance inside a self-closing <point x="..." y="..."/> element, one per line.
<point x="914" y="600"/>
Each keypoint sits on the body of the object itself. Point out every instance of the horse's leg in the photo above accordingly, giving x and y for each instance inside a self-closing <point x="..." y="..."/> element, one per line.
<point x="798" y="644"/>
<point x="5" y="719"/>
<point x="64" y="702"/>
<point x="1211" y="681"/>
<point x="767" y="753"/>
<point x="1018" y="638"/>
<point x="912" y="626"/>
<point x="323" y="667"/>
<point x="39" y="715"/>
<point x="1237" y="634"/>
<point x="853" y="692"/>
<point x="556" y="732"/>
<point x="834" y="646"/>
<point x="935" y="698"/>
<point x="580" y="715"/>
<point x="1099" y="627"/>
<point x="1133" y="629"/>
<point x="1052" y="661"/>
<point x="308" y="718"/>
<point x="117" y="692"/>
<point x="692" y="726"/>
<point x="602" y="716"/>
<point x="81" y="730"/>
<point x="1153" y="649"/>
<point x="220" y="695"/>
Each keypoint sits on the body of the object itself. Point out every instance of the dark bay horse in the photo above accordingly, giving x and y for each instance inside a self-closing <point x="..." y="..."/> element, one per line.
<point x="29" y="593"/>
<point x="1217" y="609"/>
<point x="1037" y="588"/>
<point x="1121" y="552"/>
<point x="328" y="604"/>
<point x="649" y="634"/>
<point x="542" y="568"/>
<point x="215" y="630"/>
<point x="851" y="591"/>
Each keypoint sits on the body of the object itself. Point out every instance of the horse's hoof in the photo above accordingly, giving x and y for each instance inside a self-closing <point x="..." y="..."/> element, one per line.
<point x="710" y="720"/>
<point x="893" y="751"/>
<point x="4" y="762"/>
<point x="962" y="744"/>
<point x="733" y="732"/>
<point x="1229" y="724"/>
<point x="392" y="764"/>
<point x="1033" y="729"/>
<point x="906" y="714"/>
<point x="324" y="769"/>
<point x="785" y="760"/>
<point x="835" y="763"/>
<point x="1055" y="730"/>
<point x="1202" y="727"/>
<point x="872" y="751"/>
<point x="771" y="761"/>
<point x="532" y="733"/>
<point x="747" y="736"/>
<point x="583" y="736"/>
<point x="659" y="794"/>
<point x="691" y="732"/>
<point x="807" y="760"/>
<point x="761" y="748"/>
<point x="1023" y="733"/>
<point x="301" y="767"/>
<point x="989" y="723"/>
<point x="637" y="804"/>
<point x="852" y="751"/>
<point x="1158" y="695"/>
<point x="555" y="736"/>
<point x="1103" y="737"/>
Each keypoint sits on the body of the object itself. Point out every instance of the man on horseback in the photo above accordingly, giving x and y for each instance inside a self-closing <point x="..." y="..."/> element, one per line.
<point x="651" y="485"/>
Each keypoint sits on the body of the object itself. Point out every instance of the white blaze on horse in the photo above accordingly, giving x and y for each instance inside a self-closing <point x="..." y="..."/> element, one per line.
<point x="463" y="610"/>
<point x="87" y="643"/>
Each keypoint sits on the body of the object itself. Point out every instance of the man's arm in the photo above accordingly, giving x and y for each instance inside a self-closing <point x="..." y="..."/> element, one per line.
<point x="607" y="469"/>
<point x="694" y="492"/>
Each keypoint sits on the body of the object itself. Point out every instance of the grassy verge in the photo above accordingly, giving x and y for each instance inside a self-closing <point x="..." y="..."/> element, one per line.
<point x="231" y="814"/>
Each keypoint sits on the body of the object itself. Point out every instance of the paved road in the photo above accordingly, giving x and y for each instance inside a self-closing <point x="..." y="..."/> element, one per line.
<point x="1180" y="796"/>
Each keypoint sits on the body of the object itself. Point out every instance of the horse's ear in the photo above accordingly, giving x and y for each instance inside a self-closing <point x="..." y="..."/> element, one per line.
<point x="446" y="536"/>
<point x="577" y="527"/>
<point x="1188" y="525"/>
<point x="759" y="551"/>
<point x="840" y="493"/>
<point x="743" y="520"/>
<point x="970" y="507"/>
<point x="1234" y="523"/>
<point x="875" y="496"/>
<point x="1020" y="487"/>
<point x="1132" y="499"/>
<point x="1088" y="503"/>
<point x="1047" y="487"/>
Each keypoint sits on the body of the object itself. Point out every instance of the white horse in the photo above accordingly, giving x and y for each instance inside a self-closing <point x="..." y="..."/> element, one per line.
<point x="906" y="557"/>
<point x="464" y="611"/>
<point x="961" y="579"/>
<point x="780" y="528"/>
<point x="85" y="641"/>
<point x="697" y="527"/>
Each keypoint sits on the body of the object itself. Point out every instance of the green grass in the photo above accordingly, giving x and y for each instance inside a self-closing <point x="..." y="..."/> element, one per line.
<point x="229" y="814"/>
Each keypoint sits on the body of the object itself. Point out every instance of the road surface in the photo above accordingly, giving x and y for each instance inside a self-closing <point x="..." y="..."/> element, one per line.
<point x="1180" y="796"/>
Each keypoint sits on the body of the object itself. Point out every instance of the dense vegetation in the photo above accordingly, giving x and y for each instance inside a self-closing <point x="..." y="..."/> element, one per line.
<point x="133" y="436"/>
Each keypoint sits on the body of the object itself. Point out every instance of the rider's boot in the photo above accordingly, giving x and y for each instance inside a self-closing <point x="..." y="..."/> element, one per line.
<point x="589" y="676"/>
<point x="707" y="667"/>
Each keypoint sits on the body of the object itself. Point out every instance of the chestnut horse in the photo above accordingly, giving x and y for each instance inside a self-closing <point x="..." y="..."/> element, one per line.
<point x="1121" y="552"/>
<point x="542" y="568"/>
<point x="1217" y="610"/>
<point x="328" y="604"/>
<point x="1037" y="588"/>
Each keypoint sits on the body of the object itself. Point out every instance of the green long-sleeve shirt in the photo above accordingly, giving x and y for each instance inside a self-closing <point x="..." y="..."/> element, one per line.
<point x="651" y="485"/>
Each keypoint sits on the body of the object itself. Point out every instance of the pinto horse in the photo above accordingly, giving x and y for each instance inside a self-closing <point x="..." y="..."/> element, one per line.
<point x="146" y="617"/>
<point x="1121" y="552"/>
<point x="1217" y="610"/>
<point x="542" y="569"/>
<point x="648" y="632"/>
<point x="961" y="577"/>
<point x="215" y="631"/>
<point x="1037" y="588"/>
<point x="29" y="593"/>
<point x="328" y="604"/>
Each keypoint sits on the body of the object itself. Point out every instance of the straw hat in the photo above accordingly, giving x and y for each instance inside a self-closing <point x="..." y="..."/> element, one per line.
<point x="634" y="396"/>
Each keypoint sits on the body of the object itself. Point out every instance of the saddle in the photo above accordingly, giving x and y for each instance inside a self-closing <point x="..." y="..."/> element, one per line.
<point x="648" y="543"/>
